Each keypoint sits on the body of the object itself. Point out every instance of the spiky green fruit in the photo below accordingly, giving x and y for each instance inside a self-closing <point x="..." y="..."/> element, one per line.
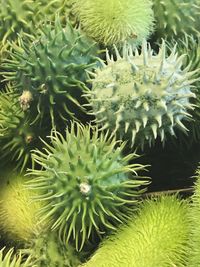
<point x="18" y="213"/>
<point x="17" y="134"/>
<point x="17" y="16"/>
<point x="175" y="18"/>
<point x="194" y="252"/>
<point x="142" y="96"/>
<point x="87" y="183"/>
<point x="11" y="260"/>
<point x="46" y="250"/>
<point x="115" y="21"/>
<point x="157" y="236"/>
<point x="53" y="70"/>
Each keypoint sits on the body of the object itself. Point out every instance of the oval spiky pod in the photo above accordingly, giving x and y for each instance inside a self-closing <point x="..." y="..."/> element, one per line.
<point x="17" y="136"/>
<point x="142" y="96"/>
<point x="10" y="260"/>
<point x="157" y="236"/>
<point x="18" y="213"/>
<point x="175" y="18"/>
<point x="115" y="21"/>
<point x="53" y="70"/>
<point x="87" y="183"/>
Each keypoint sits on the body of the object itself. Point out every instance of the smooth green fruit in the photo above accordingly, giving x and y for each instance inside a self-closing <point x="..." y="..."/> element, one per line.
<point x="87" y="183"/>
<point x="53" y="70"/>
<point x="174" y="18"/>
<point x="142" y="96"/>
<point x="157" y="237"/>
<point x="115" y="21"/>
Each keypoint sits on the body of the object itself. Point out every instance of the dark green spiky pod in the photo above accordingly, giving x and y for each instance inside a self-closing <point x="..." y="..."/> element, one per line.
<point x="157" y="236"/>
<point x="11" y="260"/>
<point x="115" y="21"/>
<point x="142" y="96"/>
<point x="46" y="250"/>
<point x="25" y="16"/>
<point x="175" y="18"/>
<point x="17" y="135"/>
<point x="87" y="183"/>
<point x="194" y="252"/>
<point x="53" y="70"/>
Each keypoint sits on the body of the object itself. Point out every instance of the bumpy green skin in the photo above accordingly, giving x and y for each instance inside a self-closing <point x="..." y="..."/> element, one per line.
<point x="10" y="260"/>
<point x="142" y="96"/>
<point x="46" y="250"/>
<point x="157" y="236"/>
<point x="174" y="18"/>
<point x="25" y="15"/>
<point x="53" y="70"/>
<point x="194" y="252"/>
<point x="88" y="185"/>
<point x="115" y="21"/>
<point x="17" y="136"/>
<point x="191" y="47"/>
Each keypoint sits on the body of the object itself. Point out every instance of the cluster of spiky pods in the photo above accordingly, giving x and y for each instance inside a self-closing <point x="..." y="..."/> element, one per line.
<point x="86" y="87"/>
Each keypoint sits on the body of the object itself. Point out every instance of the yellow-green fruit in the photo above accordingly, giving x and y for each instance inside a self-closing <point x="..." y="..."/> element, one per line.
<point x="18" y="213"/>
<point x="11" y="260"/>
<point x="156" y="237"/>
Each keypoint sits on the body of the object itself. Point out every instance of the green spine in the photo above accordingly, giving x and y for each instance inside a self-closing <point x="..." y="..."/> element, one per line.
<point x="10" y="260"/>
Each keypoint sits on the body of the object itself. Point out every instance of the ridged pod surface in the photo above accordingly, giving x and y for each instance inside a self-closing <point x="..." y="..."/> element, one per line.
<point x="157" y="236"/>
<point x="17" y="135"/>
<point x="142" y="96"/>
<point x="115" y="21"/>
<point x="53" y="70"/>
<point x="174" y="18"/>
<point x="8" y="259"/>
<point x="87" y="183"/>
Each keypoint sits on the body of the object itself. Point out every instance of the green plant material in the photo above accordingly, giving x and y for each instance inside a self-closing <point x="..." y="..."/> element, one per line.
<point x="46" y="250"/>
<point x="142" y="96"/>
<point x="53" y="70"/>
<point x="18" y="213"/>
<point x="115" y="21"/>
<point x="89" y="187"/>
<point x="157" y="236"/>
<point x="194" y="252"/>
<point x="17" y="134"/>
<point x="11" y="260"/>
<point x="17" y="16"/>
<point x="175" y="18"/>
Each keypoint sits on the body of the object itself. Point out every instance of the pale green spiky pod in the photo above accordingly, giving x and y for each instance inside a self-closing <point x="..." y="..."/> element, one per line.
<point x="175" y="18"/>
<point x="142" y="96"/>
<point x="115" y="21"/>
<point x="46" y="250"/>
<point x="157" y="236"/>
<point x="53" y="70"/>
<point x="17" y="136"/>
<point x="13" y="260"/>
<point x="194" y="252"/>
<point x="87" y="183"/>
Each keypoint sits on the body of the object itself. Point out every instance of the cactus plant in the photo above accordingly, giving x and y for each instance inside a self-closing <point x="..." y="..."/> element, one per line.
<point x="87" y="183"/>
<point x="11" y="260"/>
<point x="115" y="21"/>
<point x="142" y="96"/>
